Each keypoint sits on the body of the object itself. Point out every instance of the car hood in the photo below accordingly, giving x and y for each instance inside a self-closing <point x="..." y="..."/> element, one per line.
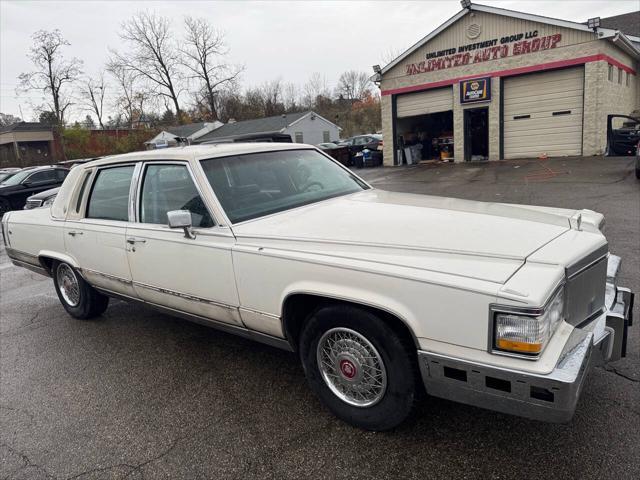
<point x="446" y="234"/>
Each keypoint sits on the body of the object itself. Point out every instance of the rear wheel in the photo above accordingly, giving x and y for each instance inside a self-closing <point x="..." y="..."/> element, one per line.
<point x="78" y="298"/>
<point x="359" y="367"/>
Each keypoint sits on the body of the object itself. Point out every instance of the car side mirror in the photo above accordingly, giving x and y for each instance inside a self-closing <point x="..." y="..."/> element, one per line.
<point x="181" y="219"/>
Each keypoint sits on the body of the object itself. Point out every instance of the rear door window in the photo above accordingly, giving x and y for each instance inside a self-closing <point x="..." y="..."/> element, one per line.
<point x="109" y="198"/>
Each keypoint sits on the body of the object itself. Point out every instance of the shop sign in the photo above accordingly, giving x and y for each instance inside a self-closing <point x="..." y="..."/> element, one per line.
<point x="507" y="46"/>
<point x="476" y="90"/>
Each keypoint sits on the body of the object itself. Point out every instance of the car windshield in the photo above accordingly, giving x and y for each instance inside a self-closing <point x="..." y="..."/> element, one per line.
<point x="5" y="175"/>
<point x="17" y="178"/>
<point x="258" y="184"/>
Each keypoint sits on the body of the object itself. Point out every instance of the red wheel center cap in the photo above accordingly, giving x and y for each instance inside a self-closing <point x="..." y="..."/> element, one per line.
<point x="348" y="369"/>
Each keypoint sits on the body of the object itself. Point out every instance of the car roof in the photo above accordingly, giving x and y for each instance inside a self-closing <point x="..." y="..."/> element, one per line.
<point x="199" y="152"/>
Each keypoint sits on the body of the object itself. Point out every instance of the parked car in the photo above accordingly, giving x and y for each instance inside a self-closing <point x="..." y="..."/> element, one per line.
<point x="372" y="142"/>
<point x="7" y="172"/>
<point x="41" y="199"/>
<point x="506" y="307"/>
<point x="15" y="190"/>
<point x="623" y="135"/>
<point x="340" y="153"/>
<point x="638" y="160"/>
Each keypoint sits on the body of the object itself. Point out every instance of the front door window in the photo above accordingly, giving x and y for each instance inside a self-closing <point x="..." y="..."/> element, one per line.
<point x="170" y="187"/>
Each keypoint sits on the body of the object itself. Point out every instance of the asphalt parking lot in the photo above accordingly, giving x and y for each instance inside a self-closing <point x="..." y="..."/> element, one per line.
<point x="138" y="394"/>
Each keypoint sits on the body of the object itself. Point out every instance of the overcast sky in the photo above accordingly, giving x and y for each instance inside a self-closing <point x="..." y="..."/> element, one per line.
<point x="272" y="39"/>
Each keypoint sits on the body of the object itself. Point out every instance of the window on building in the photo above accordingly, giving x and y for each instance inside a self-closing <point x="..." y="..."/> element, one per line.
<point x="628" y="79"/>
<point x="619" y="75"/>
<point x="299" y="137"/>
<point x="326" y="135"/>
<point x="109" y="199"/>
<point x="170" y="187"/>
<point x="610" y="75"/>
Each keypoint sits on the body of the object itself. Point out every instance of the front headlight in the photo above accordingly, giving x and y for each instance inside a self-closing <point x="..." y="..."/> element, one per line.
<point x="48" y="201"/>
<point x="527" y="331"/>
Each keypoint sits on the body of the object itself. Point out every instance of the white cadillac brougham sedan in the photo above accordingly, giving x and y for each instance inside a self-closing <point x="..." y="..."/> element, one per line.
<point x="383" y="294"/>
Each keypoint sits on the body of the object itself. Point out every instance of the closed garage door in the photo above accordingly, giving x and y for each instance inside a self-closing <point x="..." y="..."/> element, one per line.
<point x="543" y="114"/>
<point x="421" y="103"/>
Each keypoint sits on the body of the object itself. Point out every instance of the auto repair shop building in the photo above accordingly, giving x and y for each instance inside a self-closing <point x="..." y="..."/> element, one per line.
<point x="493" y="84"/>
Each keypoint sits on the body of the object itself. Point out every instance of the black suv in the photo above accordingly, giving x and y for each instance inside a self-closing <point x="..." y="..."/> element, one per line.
<point x="15" y="190"/>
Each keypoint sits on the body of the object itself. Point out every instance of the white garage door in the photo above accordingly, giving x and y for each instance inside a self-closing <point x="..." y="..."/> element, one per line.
<point x="422" y="103"/>
<point x="543" y="114"/>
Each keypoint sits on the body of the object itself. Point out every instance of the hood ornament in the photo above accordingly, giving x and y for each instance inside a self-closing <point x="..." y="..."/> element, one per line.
<point x="576" y="222"/>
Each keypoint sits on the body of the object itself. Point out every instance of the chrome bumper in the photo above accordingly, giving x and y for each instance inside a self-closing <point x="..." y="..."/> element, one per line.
<point x="552" y="397"/>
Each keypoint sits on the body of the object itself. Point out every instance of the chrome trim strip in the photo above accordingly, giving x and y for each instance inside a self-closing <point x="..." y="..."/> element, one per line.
<point x="259" y="312"/>
<point x="105" y="275"/>
<point x="133" y="191"/>
<point x="586" y="262"/>
<point x="29" y="266"/>
<point x="185" y="296"/>
<point x="276" y="342"/>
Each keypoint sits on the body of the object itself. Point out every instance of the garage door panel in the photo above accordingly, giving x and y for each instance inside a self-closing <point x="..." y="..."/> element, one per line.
<point x="538" y="96"/>
<point x="547" y="108"/>
<point x="542" y="86"/>
<point x="523" y="130"/>
<point x="422" y="103"/>
<point x="544" y="96"/>
<point x="550" y="140"/>
<point x="539" y="123"/>
<point x="568" y="100"/>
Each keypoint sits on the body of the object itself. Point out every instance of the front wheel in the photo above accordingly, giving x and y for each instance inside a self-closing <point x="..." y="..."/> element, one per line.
<point x="78" y="298"/>
<point x="359" y="367"/>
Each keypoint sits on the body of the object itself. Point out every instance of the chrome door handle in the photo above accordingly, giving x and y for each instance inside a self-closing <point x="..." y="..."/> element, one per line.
<point x="73" y="233"/>
<point x="133" y="240"/>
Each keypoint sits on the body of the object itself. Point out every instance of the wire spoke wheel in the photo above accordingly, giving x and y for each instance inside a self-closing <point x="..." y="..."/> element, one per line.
<point x="68" y="284"/>
<point x="351" y="367"/>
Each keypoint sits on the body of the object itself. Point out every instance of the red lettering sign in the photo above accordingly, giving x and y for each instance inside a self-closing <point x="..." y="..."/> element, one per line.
<point x="520" y="47"/>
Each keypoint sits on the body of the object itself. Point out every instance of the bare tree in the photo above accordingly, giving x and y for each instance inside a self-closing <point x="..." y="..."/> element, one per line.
<point x="92" y="94"/>
<point x="353" y="85"/>
<point x="125" y="81"/>
<point x="272" y="96"/>
<point x="203" y="54"/>
<point x="315" y="87"/>
<point x="8" y="119"/>
<point x="290" y="97"/>
<point x="152" y="55"/>
<point x="52" y="72"/>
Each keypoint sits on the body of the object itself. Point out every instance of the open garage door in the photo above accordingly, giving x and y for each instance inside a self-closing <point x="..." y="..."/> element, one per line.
<point x="424" y="126"/>
<point x="422" y="103"/>
<point x="543" y="114"/>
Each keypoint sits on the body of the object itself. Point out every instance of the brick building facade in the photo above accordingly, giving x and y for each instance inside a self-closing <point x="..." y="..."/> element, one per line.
<point x="494" y="84"/>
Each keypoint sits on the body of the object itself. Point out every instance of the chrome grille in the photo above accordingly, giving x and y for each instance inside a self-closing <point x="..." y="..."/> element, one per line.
<point x="586" y="286"/>
<point x="32" y="204"/>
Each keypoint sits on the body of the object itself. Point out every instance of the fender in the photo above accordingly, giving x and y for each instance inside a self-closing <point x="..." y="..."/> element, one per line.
<point x="352" y="295"/>
<point x="61" y="257"/>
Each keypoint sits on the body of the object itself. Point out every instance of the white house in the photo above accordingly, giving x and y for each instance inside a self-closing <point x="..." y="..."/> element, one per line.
<point x="304" y="127"/>
<point x="191" y="131"/>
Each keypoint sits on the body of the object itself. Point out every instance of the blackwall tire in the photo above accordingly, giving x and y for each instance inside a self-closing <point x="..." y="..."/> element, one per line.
<point x="78" y="298"/>
<point x="359" y="367"/>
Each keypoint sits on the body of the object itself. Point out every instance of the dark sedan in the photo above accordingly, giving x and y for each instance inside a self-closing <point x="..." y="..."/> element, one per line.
<point x="15" y="190"/>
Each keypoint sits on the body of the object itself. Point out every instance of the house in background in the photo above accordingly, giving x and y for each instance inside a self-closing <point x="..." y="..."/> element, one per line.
<point x="304" y="127"/>
<point x="192" y="132"/>
<point x="26" y="144"/>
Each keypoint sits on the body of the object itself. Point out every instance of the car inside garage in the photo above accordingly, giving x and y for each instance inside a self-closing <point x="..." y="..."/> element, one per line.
<point x="424" y="125"/>
<point x="543" y="114"/>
